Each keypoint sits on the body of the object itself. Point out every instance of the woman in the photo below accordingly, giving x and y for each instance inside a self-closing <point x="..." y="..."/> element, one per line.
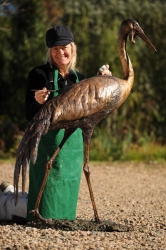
<point x="59" y="200"/>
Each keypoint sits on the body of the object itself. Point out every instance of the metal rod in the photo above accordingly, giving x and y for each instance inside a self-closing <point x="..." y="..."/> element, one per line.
<point x="50" y="90"/>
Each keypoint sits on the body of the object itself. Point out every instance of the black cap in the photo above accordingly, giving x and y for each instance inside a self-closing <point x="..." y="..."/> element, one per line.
<point x="59" y="35"/>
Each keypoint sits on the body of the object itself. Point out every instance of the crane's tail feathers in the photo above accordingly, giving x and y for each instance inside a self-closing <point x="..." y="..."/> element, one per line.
<point x="28" y="149"/>
<point x="22" y="161"/>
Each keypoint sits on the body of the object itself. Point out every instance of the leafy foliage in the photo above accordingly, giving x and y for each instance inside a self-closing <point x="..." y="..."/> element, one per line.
<point x="95" y="27"/>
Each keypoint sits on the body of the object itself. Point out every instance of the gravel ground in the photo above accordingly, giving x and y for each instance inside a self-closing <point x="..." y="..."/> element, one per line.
<point x="131" y="195"/>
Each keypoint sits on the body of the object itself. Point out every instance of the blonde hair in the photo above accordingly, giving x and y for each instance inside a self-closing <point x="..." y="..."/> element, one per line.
<point x="72" y="63"/>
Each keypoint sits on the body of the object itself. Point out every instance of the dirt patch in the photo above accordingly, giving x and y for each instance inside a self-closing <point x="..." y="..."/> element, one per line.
<point x="131" y="203"/>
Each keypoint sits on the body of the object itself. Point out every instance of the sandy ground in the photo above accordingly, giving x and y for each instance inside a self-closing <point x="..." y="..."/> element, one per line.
<point x="131" y="194"/>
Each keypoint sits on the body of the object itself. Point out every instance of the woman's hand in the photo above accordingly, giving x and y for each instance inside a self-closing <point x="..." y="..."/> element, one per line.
<point x="42" y="95"/>
<point x="104" y="71"/>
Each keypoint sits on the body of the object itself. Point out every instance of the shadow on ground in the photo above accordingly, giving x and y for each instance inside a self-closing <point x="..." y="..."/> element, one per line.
<point x="82" y="225"/>
<point x="66" y="225"/>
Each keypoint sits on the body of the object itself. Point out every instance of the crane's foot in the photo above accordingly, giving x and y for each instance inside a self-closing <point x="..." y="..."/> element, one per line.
<point x="97" y="219"/>
<point x="38" y="216"/>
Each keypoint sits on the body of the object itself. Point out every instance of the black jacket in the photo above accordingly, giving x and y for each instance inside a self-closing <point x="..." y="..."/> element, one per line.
<point x="40" y="77"/>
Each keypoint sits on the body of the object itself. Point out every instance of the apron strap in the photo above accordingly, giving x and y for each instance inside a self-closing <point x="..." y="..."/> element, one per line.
<point x="77" y="80"/>
<point x="55" y="83"/>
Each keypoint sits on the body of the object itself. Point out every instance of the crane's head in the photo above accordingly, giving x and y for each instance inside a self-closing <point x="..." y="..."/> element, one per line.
<point x="133" y="29"/>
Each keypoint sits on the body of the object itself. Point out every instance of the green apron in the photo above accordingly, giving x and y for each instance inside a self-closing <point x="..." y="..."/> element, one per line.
<point x="59" y="200"/>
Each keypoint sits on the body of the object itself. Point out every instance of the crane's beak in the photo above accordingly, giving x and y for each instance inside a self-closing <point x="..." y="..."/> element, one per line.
<point x="142" y="35"/>
<point x="139" y="32"/>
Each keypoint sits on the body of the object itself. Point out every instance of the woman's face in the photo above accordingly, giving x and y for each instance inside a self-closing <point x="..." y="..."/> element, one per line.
<point x="61" y="55"/>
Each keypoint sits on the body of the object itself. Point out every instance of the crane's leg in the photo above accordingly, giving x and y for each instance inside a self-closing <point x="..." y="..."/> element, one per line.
<point x="87" y="175"/>
<point x="35" y="211"/>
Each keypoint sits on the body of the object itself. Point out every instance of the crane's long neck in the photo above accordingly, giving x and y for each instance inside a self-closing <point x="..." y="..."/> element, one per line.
<point x="125" y="60"/>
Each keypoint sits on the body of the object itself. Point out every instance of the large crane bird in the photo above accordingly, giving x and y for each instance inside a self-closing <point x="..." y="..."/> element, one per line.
<point x="83" y="105"/>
